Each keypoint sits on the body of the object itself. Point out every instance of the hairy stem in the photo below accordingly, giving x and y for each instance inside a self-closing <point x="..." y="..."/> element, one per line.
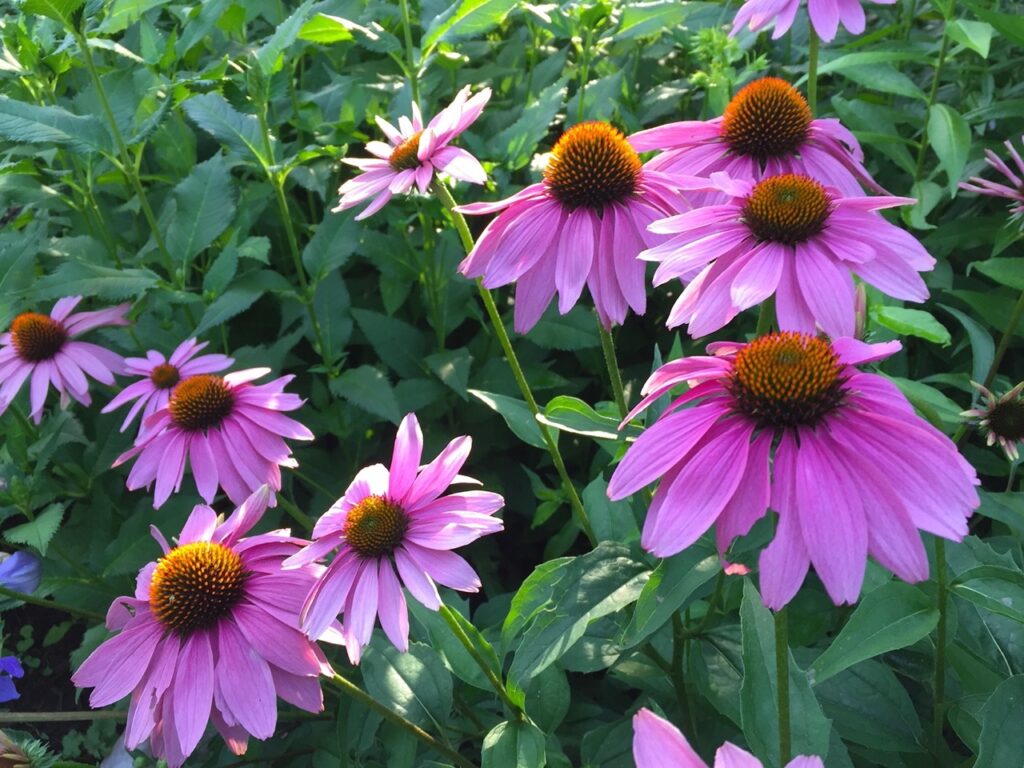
<point x="52" y="604"/>
<point x="614" y="375"/>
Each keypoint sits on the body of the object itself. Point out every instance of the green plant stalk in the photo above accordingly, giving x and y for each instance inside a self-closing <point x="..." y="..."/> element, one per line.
<point x="296" y="514"/>
<point x="357" y="693"/>
<point x="922" y="149"/>
<point x="62" y="717"/>
<point x="765" y="317"/>
<point x="782" y="683"/>
<point x="812" y="69"/>
<point x="612" y="363"/>
<point x="679" y="639"/>
<point x="414" y="84"/>
<point x="939" y="683"/>
<point x="52" y="604"/>
<point x="579" y="513"/>
<point x="492" y="678"/>
<point x="127" y="165"/>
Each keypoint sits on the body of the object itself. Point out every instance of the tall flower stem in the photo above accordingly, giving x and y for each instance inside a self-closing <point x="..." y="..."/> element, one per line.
<point x="922" y="149"/>
<point x="765" y="317"/>
<point x="414" y="85"/>
<point x="354" y="691"/>
<point x="938" y="708"/>
<point x="812" y="69"/>
<point x="579" y="513"/>
<point x="499" y="687"/>
<point x="52" y="604"/>
<point x="782" y="683"/>
<point x="614" y="375"/>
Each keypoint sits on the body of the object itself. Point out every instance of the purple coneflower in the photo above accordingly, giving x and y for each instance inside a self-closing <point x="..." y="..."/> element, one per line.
<point x="415" y="154"/>
<point x="228" y="430"/>
<point x="787" y="421"/>
<point x="767" y="129"/>
<point x="825" y="16"/>
<point x="790" y="236"/>
<point x="1001" y="419"/>
<point x="583" y="225"/>
<point x="210" y="634"/>
<point x="160" y="375"/>
<point x="393" y="527"/>
<point x="1015" y="194"/>
<point x="45" y="347"/>
<point x="659" y="744"/>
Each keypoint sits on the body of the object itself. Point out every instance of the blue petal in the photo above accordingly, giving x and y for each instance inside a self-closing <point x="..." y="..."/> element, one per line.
<point x="7" y="690"/>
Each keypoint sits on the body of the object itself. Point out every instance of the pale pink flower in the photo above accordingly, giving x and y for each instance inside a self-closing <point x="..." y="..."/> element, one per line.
<point x="1014" y="194"/>
<point x="211" y="634"/>
<point x="788" y="236"/>
<point x="46" y="348"/>
<point x="160" y="375"/>
<point x="787" y="421"/>
<point x="415" y="154"/>
<point x="393" y="527"/>
<point x="825" y="16"/>
<point x="229" y="431"/>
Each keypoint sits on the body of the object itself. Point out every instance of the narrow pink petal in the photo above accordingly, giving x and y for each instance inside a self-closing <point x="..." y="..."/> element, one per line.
<point x="436" y="476"/>
<point x="192" y="691"/>
<point x="659" y="744"/>
<point x="574" y="255"/>
<point x="445" y="568"/>
<point x="416" y="580"/>
<point x="752" y="496"/>
<point x="361" y="608"/>
<point x="731" y="756"/>
<point x="394" y="616"/>
<point x="244" y="679"/>
<point x="199" y="526"/>
<point x="405" y="459"/>
<point x="827" y="288"/>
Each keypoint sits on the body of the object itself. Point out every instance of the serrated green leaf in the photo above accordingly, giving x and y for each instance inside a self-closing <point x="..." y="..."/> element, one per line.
<point x="650" y="19"/>
<point x="237" y="131"/>
<point x="243" y="293"/>
<point x="397" y="343"/>
<point x="997" y="589"/>
<point x="519" y="141"/>
<point x="452" y="368"/>
<point x="514" y="745"/>
<point x="270" y="55"/>
<point x="62" y="11"/>
<point x="17" y="266"/>
<point x="80" y="277"/>
<point x="38" y="533"/>
<point x="466" y="18"/>
<point x="24" y="123"/>
<point x="369" y="389"/>
<point x="334" y="241"/>
<point x="124" y="13"/>
<point x="324" y="28"/>
<point x="515" y="413"/>
<point x="416" y="684"/>
<point x="205" y="206"/>
<point x="911" y="322"/>
<point x="1002" y="739"/>
<point x="950" y="137"/>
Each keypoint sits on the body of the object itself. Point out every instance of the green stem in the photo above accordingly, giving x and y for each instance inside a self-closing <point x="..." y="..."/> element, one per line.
<point x="579" y="513"/>
<point x="812" y="70"/>
<point x="679" y="638"/>
<point x="495" y="681"/>
<point x="608" y="347"/>
<point x="53" y="604"/>
<point x="940" y="647"/>
<point x="296" y="514"/>
<point x="782" y="683"/>
<point x="414" y="86"/>
<point x="357" y="693"/>
<point x="61" y="717"/>
<point x="765" y="317"/>
<point x="584" y="77"/>
<point x="922" y="149"/>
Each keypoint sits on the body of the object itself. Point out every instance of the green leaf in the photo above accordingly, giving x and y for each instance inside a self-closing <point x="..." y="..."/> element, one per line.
<point x="270" y="56"/>
<point x="884" y="78"/>
<point x="611" y="520"/>
<point x="62" y="11"/>
<point x="995" y="588"/>
<point x="30" y="124"/>
<point x="568" y="332"/>
<point x="466" y="18"/>
<point x="976" y="35"/>
<point x="242" y="294"/>
<point x="241" y="133"/>
<point x="17" y="266"/>
<point x="1009" y="25"/>
<point x="570" y="414"/>
<point x="519" y="141"/>
<point x="452" y="368"/>
<point x="416" y="684"/>
<point x="205" y="206"/>
<point x="111" y="283"/>
<point x="124" y="13"/>
<point x="397" y="343"/>
<point x="935" y="406"/>
<point x="334" y="241"/>
<point x="893" y="616"/>
<point x="324" y="28"/>
<point x="555" y="606"/>
<point x="515" y="413"/>
<point x="650" y="19"/>
<point x="514" y="745"/>
<point x="911" y="322"/>
<point x="950" y="136"/>
<point x="444" y="641"/>
<point x="1004" y="271"/>
<point x="1002" y="738"/>
<point x="759" y="693"/>
<point x="867" y="58"/>
<point x="369" y="389"/>
<point x="38" y="533"/>
<point x="982" y="345"/>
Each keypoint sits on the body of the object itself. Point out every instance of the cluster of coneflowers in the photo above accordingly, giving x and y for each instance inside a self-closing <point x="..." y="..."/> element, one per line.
<point x="763" y="203"/>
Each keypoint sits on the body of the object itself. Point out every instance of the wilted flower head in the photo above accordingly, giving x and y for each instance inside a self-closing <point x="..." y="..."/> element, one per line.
<point x="160" y="375"/>
<point x="1001" y="419"/>
<point x="415" y="154"/>
<point x="789" y="236"/>
<point x="767" y="130"/>
<point x="211" y="634"/>
<point x="659" y="744"/>
<point x="21" y="571"/>
<point x="394" y="527"/>
<point x="229" y="431"/>
<point x="1015" y="193"/>
<point x="46" y="348"/>
<point x="583" y="225"/>
<point x="787" y="421"/>
<point x="825" y="16"/>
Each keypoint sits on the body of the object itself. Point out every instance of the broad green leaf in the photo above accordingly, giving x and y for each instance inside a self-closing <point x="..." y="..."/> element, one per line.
<point x="334" y="241"/>
<point x="650" y="19"/>
<point x="24" y="123"/>
<point x="893" y="616"/>
<point x="911" y="322"/>
<point x="62" y="11"/>
<point x="570" y="414"/>
<point x="1004" y="271"/>
<point x="270" y="56"/>
<point x="759" y="694"/>
<point x="515" y="413"/>
<point x="548" y="698"/>
<point x="324" y="28"/>
<point x="611" y="520"/>
<point x="466" y="18"/>
<point x="884" y="78"/>
<point x="200" y="23"/>
<point x="950" y="137"/>
<point x="934" y="405"/>
<point x="397" y="343"/>
<point x="581" y="590"/>
<point x="17" y="266"/>
<point x="369" y="389"/>
<point x="568" y="332"/>
<point x="237" y="131"/>
<point x="444" y="641"/>
<point x="416" y="684"/>
<point x="205" y="207"/>
<point x="518" y="142"/>
<point x="868" y="58"/>
<point x="976" y="35"/>
<point x="1009" y="25"/>
<point x="997" y="589"/>
<point x="111" y="283"/>
<point x="514" y="744"/>
<point x="452" y="368"/>
<point x="124" y="13"/>
<point x="38" y="533"/>
<point x="1002" y="738"/>
<point x="982" y="345"/>
<point x="242" y="294"/>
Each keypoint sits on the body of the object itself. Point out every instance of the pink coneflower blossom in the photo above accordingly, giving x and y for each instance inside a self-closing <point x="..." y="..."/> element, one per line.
<point x="825" y="16"/>
<point x="160" y="375"/>
<point x="1015" y="194"/>
<point x="584" y="224"/>
<point x="45" y="347"/>
<point x="767" y="129"/>
<point x="393" y="527"/>
<point x="210" y="634"/>
<point x="228" y="430"/>
<point x="1001" y="419"/>
<point x="659" y="744"/>
<point x="787" y="421"/>
<point x="789" y="236"/>
<point x="415" y="154"/>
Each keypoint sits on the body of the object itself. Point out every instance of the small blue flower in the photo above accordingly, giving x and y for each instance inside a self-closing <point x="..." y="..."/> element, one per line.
<point x="21" y="572"/>
<point x="10" y="668"/>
